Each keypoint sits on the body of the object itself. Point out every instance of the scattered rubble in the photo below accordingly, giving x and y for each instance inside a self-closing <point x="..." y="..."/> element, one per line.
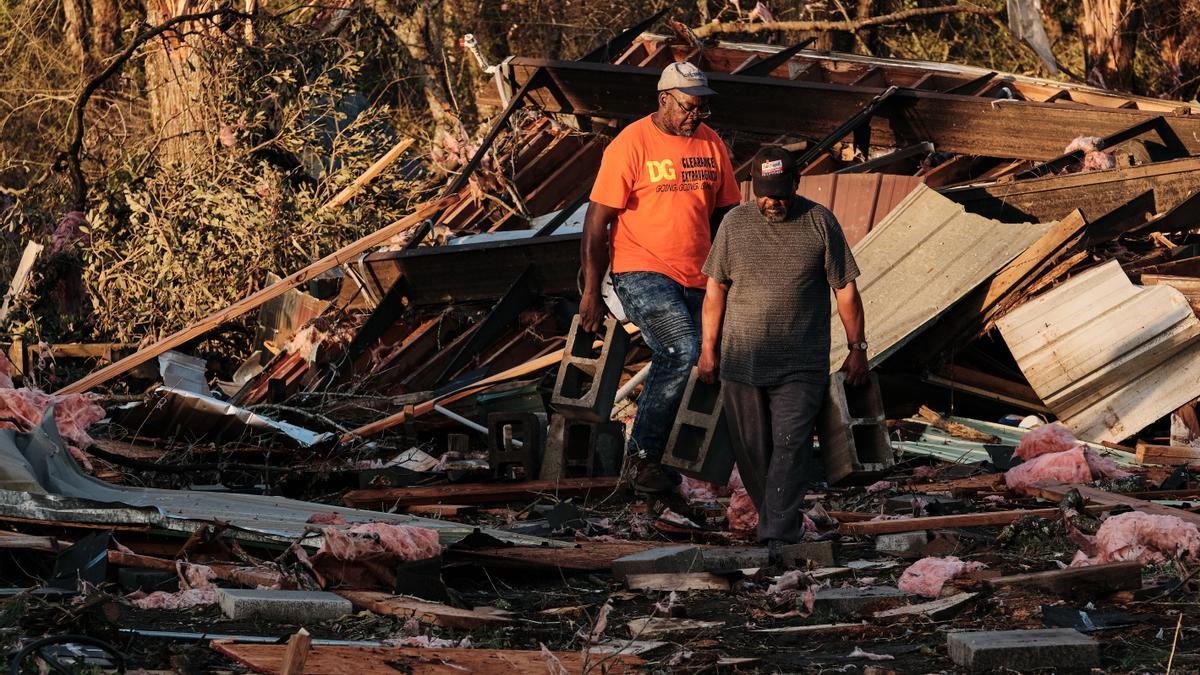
<point x="422" y="463"/>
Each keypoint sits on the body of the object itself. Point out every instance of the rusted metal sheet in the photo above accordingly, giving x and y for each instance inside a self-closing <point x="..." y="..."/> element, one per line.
<point x="1107" y="356"/>
<point x="859" y="201"/>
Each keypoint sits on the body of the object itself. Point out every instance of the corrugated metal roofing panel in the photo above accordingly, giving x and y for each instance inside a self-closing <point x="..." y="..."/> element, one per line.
<point x="1107" y="356"/>
<point x="923" y="257"/>
<point x="858" y="200"/>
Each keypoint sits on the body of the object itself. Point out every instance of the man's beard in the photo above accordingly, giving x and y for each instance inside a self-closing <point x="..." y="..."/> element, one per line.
<point x="774" y="215"/>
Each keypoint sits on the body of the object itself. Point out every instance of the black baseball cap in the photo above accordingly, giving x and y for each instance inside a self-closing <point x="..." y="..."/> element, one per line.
<point x="773" y="172"/>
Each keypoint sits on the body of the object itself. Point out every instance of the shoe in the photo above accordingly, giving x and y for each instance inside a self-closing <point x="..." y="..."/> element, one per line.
<point x="649" y="477"/>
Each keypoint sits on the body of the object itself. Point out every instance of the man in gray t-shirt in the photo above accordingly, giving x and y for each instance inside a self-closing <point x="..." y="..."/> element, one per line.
<point x="765" y="327"/>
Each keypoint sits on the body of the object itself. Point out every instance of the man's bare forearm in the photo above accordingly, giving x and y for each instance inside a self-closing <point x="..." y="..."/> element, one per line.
<point x="712" y="314"/>
<point x="850" y="309"/>
<point x="594" y="249"/>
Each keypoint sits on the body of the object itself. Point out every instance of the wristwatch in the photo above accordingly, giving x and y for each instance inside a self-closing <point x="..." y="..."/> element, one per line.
<point x="858" y="345"/>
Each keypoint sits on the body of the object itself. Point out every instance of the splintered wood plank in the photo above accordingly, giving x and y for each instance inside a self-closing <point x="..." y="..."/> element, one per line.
<point x="933" y="609"/>
<point x="433" y="613"/>
<point x="478" y="493"/>
<point x="815" y="628"/>
<point x="943" y="522"/>
<point x="587" y="557"/>
<point x="1056" y="491"/>
<point x="1167" y="455"/>
<point x="657" y="627"/>
<point x="1090" y="580"/>
<point x="683" y="581"/>
<point x="330" y="660"/>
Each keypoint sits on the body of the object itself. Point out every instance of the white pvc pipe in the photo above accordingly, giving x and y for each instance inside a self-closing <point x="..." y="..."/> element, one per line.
<point x="470" y="423"/>
<point x="638" y="377"/>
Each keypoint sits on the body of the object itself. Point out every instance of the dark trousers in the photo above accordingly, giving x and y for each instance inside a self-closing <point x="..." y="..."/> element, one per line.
<point x="668" y="315"/>
<point x="772" y="429"/>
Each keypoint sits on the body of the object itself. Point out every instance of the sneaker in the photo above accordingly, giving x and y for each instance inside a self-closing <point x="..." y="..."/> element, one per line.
<point x="648" y="476"/>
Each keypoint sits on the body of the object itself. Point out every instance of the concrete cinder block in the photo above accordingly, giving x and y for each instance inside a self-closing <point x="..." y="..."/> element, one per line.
<point x="588" y="378"/>
<point x="666" y="560"/>
<point x="515" y="440"/>
<point x="797" y="555"/>
<point x="731" y="558"/>
<point x="841" y="602"/>
<point x="853" y="431"/>
<point x="579" y="448"/>
<point x="902" y="543"/>
<point x="1058" y="649"/>
<point x="700" y="444"/>
<point x="289" y="606"/>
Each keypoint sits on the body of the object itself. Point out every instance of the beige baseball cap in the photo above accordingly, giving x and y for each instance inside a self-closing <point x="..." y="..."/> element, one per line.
<point x="685" y="77"/>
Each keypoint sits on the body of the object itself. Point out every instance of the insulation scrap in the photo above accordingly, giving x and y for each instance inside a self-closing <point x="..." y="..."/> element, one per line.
<point x="880" y="486"/>
<point x="741" y="513"/>
<point x="1065" y="467"/>
<point x="403" y="541"/>
<point x="23" y="409"/>
<point x="927" y="576"/>
<point x="1094" y="157"/>
<point x="426" y="641"/>
<point x="697" y="491"/>
<point x="793" y="585"/>
<point x="1044" y="440"/>
<point x="327" y="518"/>
<point x="859" y="653"/>
<point x="1143" y="537"/>
<point x="199" y="590"/>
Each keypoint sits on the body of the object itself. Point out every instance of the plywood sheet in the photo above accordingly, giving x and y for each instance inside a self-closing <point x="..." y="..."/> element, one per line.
<point x="927" y="254"/>
<point x="1107" y="356"/>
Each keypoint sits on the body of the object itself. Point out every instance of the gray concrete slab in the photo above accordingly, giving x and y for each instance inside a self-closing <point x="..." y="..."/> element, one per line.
<point x="857" y="601"/>
<point x="1060" y="649"/>
<point x="665" y="560"/>
<point x="290" y="606"/>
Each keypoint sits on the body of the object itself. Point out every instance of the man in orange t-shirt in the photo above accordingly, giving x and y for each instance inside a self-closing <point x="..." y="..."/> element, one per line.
<point x="664" y="184"/>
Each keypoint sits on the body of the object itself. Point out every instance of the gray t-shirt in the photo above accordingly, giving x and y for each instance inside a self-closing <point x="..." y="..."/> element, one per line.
<point x="776" y="325"/>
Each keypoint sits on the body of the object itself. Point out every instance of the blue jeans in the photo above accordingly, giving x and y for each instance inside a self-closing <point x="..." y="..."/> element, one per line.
<point x="668" y="315"/>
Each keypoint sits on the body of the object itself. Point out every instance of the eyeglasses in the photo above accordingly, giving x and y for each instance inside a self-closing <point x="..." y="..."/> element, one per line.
<point x="700" y="111"/>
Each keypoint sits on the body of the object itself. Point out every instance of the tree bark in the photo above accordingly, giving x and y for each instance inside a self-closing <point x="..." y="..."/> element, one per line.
<point x="76" y="15"/>
<point x="175" y="86"/>
<point x="105" y="15"/>
<point x="1108" y="43"/>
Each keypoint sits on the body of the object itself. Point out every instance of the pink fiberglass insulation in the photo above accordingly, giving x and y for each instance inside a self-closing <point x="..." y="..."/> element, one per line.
<point x="694" y="490"/>
<point x="73" y="413"/>
<point x="1064" y="467"/>
<point x="1044" y="440"/>
<point x="1101" y="466"/>
<point x="5" y="379"/>
<point x="403" y="541"/>
<point x="193" y="597"/>
<point x="326" y="518"/>
<point x="927" y="576"/>
<point x="741" y="513"/>
<point x="1094" y="157"/>
<point x="1143" y="537"/>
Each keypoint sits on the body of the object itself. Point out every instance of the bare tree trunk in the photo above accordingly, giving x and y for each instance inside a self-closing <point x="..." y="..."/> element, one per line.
<point x="1108" y="43"/>
<point x="76" y="14"/>
<point x="105" y="14"/>
<point x="175" y="86"/>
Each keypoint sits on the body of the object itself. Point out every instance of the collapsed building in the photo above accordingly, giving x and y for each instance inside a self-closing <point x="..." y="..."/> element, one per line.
<point x="1011" y="490"/>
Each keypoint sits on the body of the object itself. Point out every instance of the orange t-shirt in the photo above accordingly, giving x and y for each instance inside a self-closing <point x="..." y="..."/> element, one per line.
<point x="665" y="188"/>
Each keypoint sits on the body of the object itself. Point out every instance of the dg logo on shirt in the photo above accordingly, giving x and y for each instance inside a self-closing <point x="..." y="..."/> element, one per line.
<point x="660" y="170"/>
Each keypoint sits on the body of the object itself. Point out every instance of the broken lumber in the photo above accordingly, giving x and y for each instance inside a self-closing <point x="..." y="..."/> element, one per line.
<point x="246" y="576"/>
<point x="954" y="428"/>
<point x="15" y="287"/>
<point x="1089" y="580"/>
<point x="1107" y="500"/>
<point x="587" y="556"/>
<point x="433" y="613"/>
<point x="298" y="647"/>
<point x="417" y="661"/>
<point x="476" y="493"/>
<point x="933" y="609"/>
<point x="660" y="627"/>
<point x="544" y="361"/>
<point x="681" y="581"/>
<point x="1167" y="455"/>
<point x="254" y="300"/>
<point x="945" y="522"/>
<point x="367" y="176"/>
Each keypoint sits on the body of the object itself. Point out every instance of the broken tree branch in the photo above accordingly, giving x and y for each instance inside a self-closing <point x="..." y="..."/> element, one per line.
<point x="724" y="28"/>
<point x="75" y="123"/>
